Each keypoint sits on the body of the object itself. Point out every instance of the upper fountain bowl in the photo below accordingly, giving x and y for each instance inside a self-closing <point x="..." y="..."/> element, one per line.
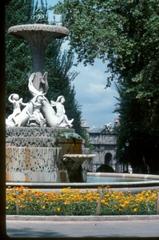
<point x="53" y="31"/>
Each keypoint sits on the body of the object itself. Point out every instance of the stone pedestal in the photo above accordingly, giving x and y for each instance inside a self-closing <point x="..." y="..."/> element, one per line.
<point x="32" y="154"/>
<point x="35" y="154"/>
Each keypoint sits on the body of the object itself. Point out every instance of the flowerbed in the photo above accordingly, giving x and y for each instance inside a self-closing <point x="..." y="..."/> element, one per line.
<point x="68" y="201"/>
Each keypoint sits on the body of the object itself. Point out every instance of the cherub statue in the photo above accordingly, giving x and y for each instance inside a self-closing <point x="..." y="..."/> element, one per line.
<point x="60" y="111"/>
<point x="36" y="118"/>
<point x="17" y="103"/>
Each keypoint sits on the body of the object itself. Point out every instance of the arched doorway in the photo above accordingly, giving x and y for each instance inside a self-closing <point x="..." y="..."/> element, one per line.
<point x="106" y="167"/>
<point x="108" y="158"/>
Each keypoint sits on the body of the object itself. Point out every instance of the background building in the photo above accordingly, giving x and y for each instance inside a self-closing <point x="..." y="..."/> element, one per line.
<point x="103" y="143"/>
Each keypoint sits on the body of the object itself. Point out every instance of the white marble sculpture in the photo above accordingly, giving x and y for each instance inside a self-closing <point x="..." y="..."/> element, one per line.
<point x="60" y="111"/>
<point x="56" y="118"/>
<point x="38" y="111"/>
<point x="38" y="84"/>
<point x="17" y="103"/>
<point x="36" y="118"/>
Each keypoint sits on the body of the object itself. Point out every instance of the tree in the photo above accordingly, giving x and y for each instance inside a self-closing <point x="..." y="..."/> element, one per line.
<point x="61" y="78"/>
<point x="127" y="34"/>
<point x="18" y="56"/>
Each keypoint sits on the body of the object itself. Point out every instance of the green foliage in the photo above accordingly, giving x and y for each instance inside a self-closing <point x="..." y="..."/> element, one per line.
<point x="39" y="14"/>
<point x="60" y="80"/>
<point x="126" y="33"/>
<point x="121" y="31"/>
<point x="18" y="56"/>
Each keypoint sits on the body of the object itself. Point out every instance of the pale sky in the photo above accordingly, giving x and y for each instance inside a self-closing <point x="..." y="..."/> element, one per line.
<point x="97" y="103"/>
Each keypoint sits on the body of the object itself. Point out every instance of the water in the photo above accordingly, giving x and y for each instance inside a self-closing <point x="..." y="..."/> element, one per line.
<point x="108" y="179"/>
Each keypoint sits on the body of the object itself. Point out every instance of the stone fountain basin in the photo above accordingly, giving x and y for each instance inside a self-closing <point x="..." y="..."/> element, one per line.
<point x="46" y="30"/>
<point x="73" y="165"/>
<point x="78" y="158"/>
<point x="151" y="182"/>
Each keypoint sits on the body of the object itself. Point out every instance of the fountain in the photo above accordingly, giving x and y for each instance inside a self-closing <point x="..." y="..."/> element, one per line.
<point x="42" y="148"/>
<point x="39" y="133"/>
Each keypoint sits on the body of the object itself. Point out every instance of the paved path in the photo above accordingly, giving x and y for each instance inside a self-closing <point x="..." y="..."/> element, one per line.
<point x="106" y="228"/>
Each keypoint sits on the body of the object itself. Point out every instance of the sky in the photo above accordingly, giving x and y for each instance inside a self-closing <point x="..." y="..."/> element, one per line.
<point x="97" y="103"/>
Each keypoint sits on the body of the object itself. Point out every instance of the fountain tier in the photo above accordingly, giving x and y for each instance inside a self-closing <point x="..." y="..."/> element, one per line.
<point x="38" y="36"/>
